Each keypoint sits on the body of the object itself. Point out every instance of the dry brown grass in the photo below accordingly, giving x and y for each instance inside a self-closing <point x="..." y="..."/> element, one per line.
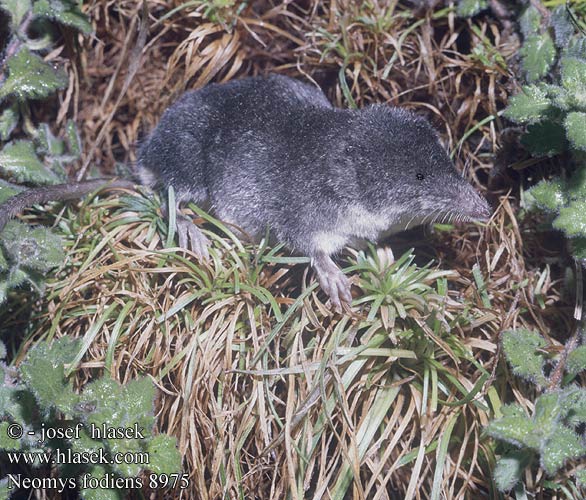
<point x="271" y="396"/>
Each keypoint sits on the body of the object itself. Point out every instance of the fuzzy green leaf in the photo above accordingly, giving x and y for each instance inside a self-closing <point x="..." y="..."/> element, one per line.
<point x="29" y="77"/>
<point x="521" y="348"/>
<point x="545" y="139"/>
<point x="576" y="130"/>
<point x="549" y="195"/>
<point x="516" y="428"/>
<point x="164" y="457"/>
<point x="581" y="478"/>
<point x="7" y="190"/>
<point x="575" y="406"/>
<point x="119" y="406"/>
<point x="139" y="397"/>
<point x="126" y="446"/>
<point x="32" y="248"/>
<point x="16" y="8"/>
<point x="548" y="409"/>
<point x="44" y="374"/>
<point x="572" y="219"/>
<point x="16" y="403"/>
<point x="19" y="160"/>
<point x="577" y="48"/>
<point x="578" y="248"/>
<point x="538" y="52"/>
<point x="8" y="122"/>
<point x="564" y="445"/>
<point x="576" y="361"/>
<point x="469" y="8"/>
<point x="3" y="354"/>
<point x="510" y="467"/>
<point x="7" y="443"/>
<point x="529" y="106"/>
<point x="65" y="13"/>
<point x="530" y="21"/>
<point x="574" y="79"/>
<point x="562" y="26"/>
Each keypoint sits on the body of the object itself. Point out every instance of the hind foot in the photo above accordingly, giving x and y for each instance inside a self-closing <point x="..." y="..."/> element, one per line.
<point x="191" y="237"/>
<point x="332" y="281"/>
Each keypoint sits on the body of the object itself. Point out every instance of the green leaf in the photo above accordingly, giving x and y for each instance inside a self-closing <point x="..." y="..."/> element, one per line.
<point x="510" y="467"/>
<point x="43" y="373"/>
<point x="16" y="8"/>
<point x="55" y="149"/>
<point x="8" y="122"/>
<point x="7" y="443"/>
<point x="6" y="191"/>
<point x="564" y="445"/>
<point x="538" y="52"/>
<point x="469" y="8"/>
<point x="29" y="77"/>
<point x="17" y="403"/>
<point x="530" y="21"/>
<point x="545" y="139"/>
<point x="164" y="457"/>
<point x="3" y="354"/>
<point x="63" y="12"/>
<point x="119" y="406"/>
<point x="576" y="129"/>
<point x="516" y="428"/>
<point x="574" y="79"/>
<point x="548" y="410"/>
<point x="575" y="406"/>
<point x="576" y="361"/>
<point x="521" y="348"/>
<point x="32" y="248"/>
<point x="578" y="247"/>
<point x="139" y="395"/>
<point x="549" y="195"/>
<point x="572" y="219"/>
<point x="577" y="48"/>
<point x="530" y="106"/>
<point x="20" y="161"/>
<point x="562" y="26"/>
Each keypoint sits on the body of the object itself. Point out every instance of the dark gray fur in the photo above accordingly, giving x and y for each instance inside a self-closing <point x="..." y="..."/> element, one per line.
<point x="273" y="152"/>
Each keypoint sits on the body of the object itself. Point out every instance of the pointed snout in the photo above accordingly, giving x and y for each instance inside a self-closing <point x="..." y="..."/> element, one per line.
<point x="474" y="205"/>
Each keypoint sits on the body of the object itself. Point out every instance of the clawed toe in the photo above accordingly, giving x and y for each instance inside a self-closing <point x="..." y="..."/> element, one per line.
<point x="333" y="282"/>
<point x="191" y="237"/>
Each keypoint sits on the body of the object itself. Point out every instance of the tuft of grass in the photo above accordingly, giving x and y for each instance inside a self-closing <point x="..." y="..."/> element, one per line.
<point x="268" y="393"/>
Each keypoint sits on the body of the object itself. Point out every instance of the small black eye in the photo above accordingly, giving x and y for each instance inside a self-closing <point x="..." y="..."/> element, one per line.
<point x="420" y="177"/>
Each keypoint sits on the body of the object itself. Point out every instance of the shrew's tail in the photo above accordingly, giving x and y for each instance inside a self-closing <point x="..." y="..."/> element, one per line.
<point x="58" y="192"/>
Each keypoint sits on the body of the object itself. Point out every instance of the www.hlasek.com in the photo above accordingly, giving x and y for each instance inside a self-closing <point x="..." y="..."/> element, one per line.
<point x="98" y="456"/>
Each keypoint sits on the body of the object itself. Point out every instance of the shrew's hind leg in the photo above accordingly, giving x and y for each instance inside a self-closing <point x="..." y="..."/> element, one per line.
<point x="332" y="280"/>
